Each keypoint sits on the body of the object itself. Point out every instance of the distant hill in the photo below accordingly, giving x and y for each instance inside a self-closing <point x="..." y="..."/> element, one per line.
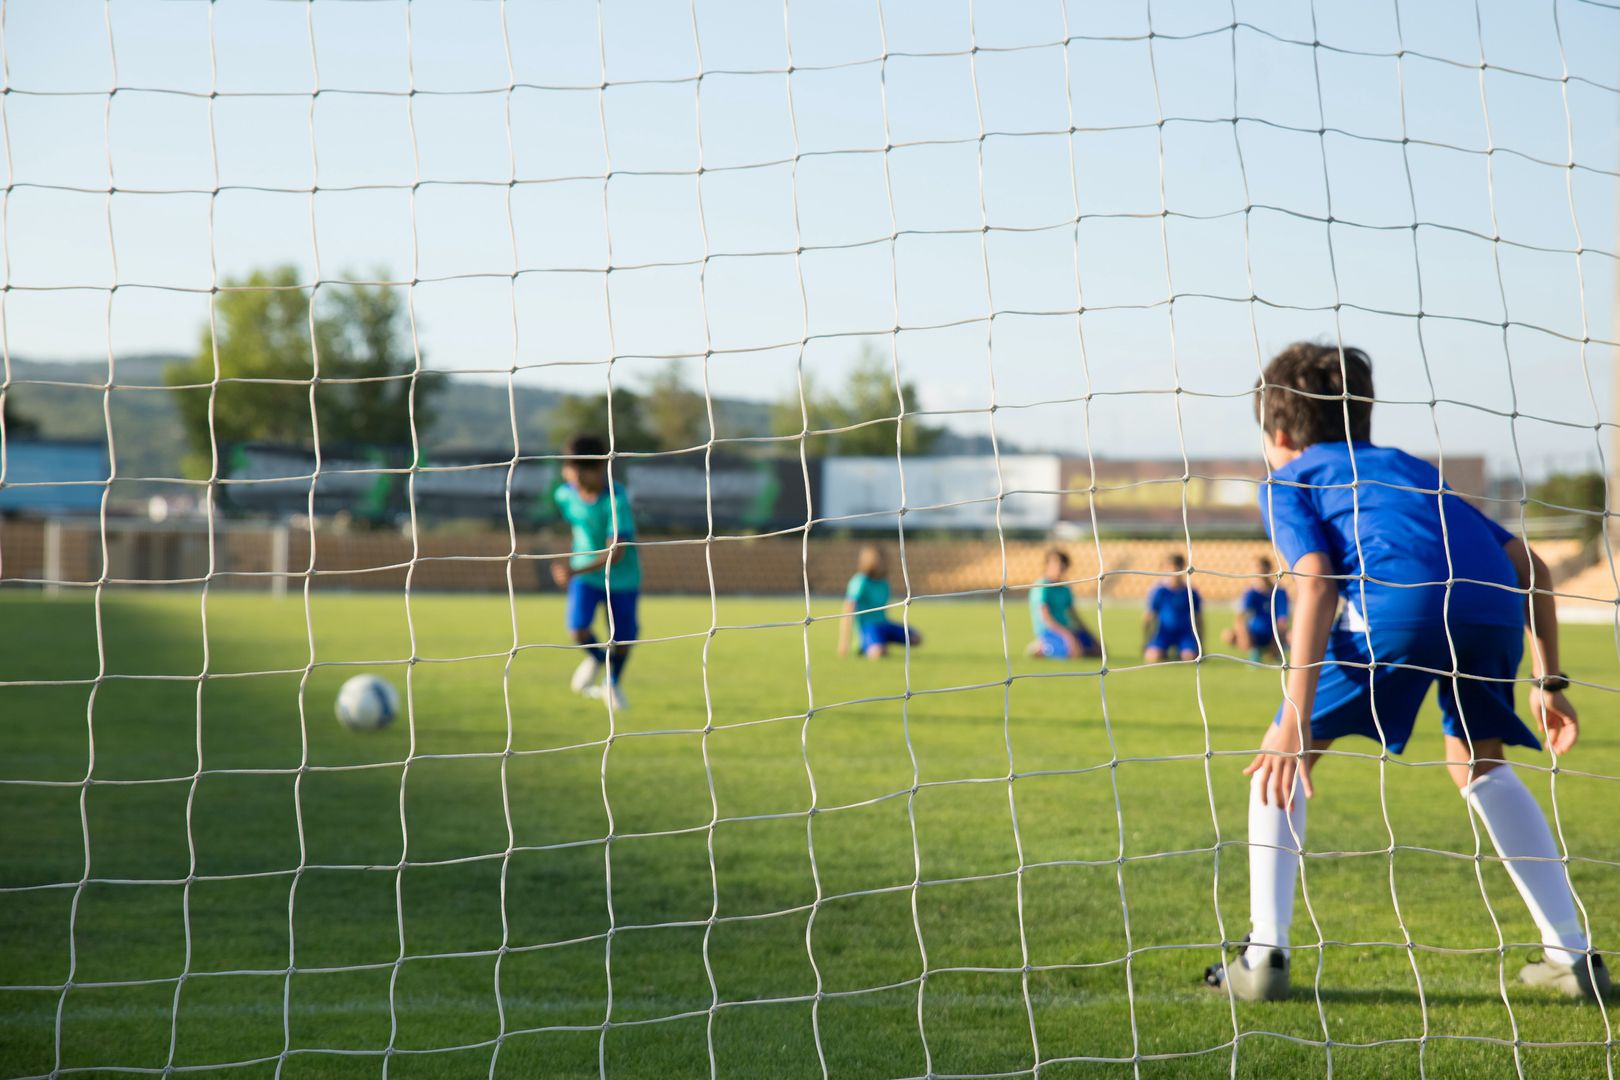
<point x="67" y="401"/>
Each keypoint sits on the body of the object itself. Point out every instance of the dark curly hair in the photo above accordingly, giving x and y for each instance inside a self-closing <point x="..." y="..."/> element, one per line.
<point x="1311" y="388"/>
<point x="585" y="449"/>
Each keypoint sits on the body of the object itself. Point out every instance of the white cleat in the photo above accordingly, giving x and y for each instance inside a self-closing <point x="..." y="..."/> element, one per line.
<point x="585" y="675"/>
<point x="610" y="693"/>
<point x="1575" y="980"/>
<point x="1266" y="980"/>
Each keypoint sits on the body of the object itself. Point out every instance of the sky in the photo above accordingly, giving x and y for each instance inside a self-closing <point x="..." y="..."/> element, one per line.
<point x="1091" y="245"/>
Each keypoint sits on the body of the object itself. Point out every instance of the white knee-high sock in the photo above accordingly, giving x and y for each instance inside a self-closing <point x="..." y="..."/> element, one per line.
<point x="1518" y="830"/>
<point x="1276" y="837"/>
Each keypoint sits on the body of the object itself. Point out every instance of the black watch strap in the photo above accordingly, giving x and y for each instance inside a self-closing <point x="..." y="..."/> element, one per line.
<point x="1554" y="683"/>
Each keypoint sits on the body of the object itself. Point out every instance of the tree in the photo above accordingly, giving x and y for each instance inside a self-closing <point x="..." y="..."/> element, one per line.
<point x="868" y="395"/>
<point x="266" y="338"/>
<point x="581" y="414"/>
<point x="676" y="416"/>
<point x="1577" y="491"/>
<point x="368" y="338"/>
<point x="15" y="424"/>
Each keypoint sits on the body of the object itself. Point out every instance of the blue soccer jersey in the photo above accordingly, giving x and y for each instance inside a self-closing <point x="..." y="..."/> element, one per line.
<point x="1175" y="606"/>
<point x="1382" y="513"/>
<point x="1261" y="607"/>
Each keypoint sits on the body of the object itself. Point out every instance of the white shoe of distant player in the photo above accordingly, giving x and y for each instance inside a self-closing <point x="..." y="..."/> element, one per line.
<point x="585" y="675"/>
<point x="611" y="693"/>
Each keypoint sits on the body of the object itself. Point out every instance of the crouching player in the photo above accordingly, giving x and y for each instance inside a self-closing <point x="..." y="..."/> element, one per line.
<point x="603" y="570"/>
<point x="1059" y="633"/>
<point x="1173" y="623"/>
<point x="865" y="602"/>
<point x="1433" y="586"/>
<point x="1262" y="616"/>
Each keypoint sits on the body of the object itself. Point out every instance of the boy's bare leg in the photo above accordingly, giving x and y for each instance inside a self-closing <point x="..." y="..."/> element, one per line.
<point x="1465" y="765"/>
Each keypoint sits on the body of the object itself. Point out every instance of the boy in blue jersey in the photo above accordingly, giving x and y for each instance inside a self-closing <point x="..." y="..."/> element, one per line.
<point x="604" y="569"/>
<point x="1261" y="621"/>
<point x="1059" y="633"/>
<point x="1173" y="623"/>
<point x="1429" y="586"/>
<point x="865" y="602"/>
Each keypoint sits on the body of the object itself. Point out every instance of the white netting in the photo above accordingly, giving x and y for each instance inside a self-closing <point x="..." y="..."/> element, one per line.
<point x="1059" y="228"/>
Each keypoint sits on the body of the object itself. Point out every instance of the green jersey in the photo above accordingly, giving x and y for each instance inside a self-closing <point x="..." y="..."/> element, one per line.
<point x="871" y="596"/>
<point x="1056" y="599"/>
<point x="597" y="523"/>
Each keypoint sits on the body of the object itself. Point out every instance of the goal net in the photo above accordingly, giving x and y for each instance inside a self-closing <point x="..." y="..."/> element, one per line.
<point x="873" y="304"/>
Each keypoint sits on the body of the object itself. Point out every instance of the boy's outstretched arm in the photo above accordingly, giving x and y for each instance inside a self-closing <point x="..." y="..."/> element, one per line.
<point x="1550" y="707"/>
<point x="562" y="572"/>
<point x="1316" y="603"/>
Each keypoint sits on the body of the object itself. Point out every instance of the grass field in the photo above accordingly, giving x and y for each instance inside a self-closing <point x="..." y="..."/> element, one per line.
<point x="421" y="902"/>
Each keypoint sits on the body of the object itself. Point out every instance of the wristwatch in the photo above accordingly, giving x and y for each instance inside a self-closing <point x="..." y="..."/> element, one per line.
<point x="1555" y="684"/>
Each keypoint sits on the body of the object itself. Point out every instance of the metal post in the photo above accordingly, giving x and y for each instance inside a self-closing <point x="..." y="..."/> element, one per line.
<point x="52" y="571"/>
<point x="278" y="560"/>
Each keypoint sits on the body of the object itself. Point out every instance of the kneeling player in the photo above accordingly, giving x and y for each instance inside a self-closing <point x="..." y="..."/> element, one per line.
<point x="1174" y="621"/>
<point x="1429" y="585"/>
<point x="1262" y="616"/>
<point x="604" y="569"/>
<point x="1059" y="633"/>
<point x="866" y="601"/>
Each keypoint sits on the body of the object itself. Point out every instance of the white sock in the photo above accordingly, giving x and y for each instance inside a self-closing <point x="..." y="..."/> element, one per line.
<point x="1276" y="838"/>
<point x="1518" y="830"/>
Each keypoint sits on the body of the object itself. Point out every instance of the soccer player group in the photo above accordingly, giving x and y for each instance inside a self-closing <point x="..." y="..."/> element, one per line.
<point x="1400" y="585"/>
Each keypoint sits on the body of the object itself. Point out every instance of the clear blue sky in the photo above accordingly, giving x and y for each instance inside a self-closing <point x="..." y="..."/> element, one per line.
<point x="364" y="140"/>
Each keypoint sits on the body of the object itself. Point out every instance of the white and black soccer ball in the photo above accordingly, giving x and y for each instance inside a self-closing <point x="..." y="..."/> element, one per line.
<point x="367" y="703"/>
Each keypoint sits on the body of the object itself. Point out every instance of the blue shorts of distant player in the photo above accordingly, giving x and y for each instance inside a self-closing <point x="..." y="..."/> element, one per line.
<point x="1174" y="642"/>
<point x="585" y="597"/>
<point x="1381" y="701"/>
<point x="1056" y="647"/>
<point x="885" y="633"/>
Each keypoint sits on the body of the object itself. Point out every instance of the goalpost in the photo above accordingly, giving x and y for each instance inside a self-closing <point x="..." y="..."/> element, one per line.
<point x="1065" y="231"/>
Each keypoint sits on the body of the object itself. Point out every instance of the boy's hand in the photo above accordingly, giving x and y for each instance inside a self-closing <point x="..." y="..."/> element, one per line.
<point x="561" y="574"/>
<point x="1557" y="718"/>
<point x="1278" y="764"/>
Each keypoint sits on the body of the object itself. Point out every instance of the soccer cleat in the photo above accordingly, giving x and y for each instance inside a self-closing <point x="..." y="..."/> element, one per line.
<point x="1266" y="982"/>
<point x="610" y="693"/>
<point x="1572" y="980"/>
<point x="585" y="675"/>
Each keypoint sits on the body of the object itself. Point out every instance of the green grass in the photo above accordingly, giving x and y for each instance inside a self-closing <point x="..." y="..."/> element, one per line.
<point x="281" y="927"/>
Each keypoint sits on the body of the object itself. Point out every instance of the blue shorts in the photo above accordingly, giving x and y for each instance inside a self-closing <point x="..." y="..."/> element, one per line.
<point x="584" y="597"/>
<point x="1174" y="642"/>
<point x="885" y="633"/>
<point x="1471" y="708"/>
<point x="1262" y="634"/>
<point x="1055" y="646"/>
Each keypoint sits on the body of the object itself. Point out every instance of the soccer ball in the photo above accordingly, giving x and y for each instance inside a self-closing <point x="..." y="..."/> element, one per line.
<point x="367" y="703"/>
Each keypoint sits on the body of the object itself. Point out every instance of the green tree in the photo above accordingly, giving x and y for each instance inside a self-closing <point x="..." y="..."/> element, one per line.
<point x="1577" y="491"/>
<point x="16" y="425"/>
<point x="367" y="333"/>
<point x="868" y="398"/>
<point x="675" y="415"/>
<point x="266" y="337"/>
<point x="581" y="414"/>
